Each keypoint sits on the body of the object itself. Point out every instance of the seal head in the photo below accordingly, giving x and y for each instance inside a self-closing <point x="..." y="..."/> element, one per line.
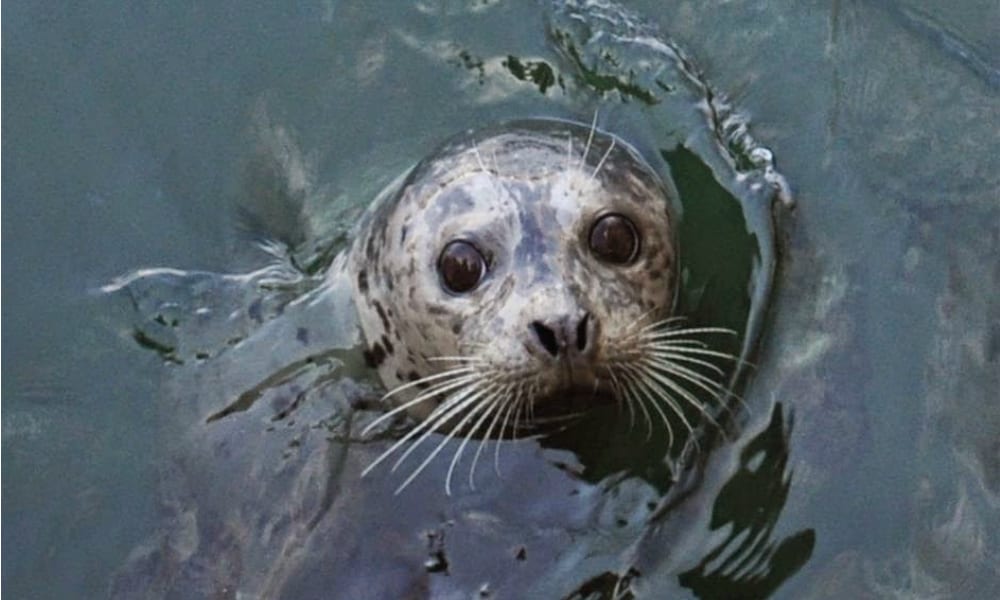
<point x="513" y="268"/>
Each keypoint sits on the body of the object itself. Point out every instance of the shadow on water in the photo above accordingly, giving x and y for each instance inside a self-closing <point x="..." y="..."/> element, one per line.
<point x="749" y="563"/>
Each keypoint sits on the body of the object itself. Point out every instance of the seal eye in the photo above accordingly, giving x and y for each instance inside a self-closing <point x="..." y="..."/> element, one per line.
<point x="613" y="239"/>
<point x="461" y="266"/>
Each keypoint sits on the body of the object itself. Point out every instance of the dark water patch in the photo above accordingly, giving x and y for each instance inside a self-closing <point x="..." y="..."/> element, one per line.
<point x="533" y="71"/>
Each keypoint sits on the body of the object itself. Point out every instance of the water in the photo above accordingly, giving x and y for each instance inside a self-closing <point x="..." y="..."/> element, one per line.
<point x="130" y="135"/>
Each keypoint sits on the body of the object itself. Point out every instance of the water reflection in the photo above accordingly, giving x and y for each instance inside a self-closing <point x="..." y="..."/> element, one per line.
<point x="749" y="562"/>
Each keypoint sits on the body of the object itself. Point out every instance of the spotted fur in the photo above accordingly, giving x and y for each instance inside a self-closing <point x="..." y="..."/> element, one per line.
<point x="526" y="194"/>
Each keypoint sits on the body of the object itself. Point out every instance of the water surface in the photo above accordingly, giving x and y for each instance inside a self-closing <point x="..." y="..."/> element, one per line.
<point x="128" y="138"/>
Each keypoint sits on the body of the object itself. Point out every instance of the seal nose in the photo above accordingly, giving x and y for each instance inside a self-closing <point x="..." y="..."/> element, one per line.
<point x="562" y="337"/>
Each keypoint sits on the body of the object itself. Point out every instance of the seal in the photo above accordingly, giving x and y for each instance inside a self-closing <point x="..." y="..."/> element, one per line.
<point x="523" y="271"/>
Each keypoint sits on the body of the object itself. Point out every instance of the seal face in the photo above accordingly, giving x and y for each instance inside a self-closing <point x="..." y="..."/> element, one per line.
<point x="514" y="270"/>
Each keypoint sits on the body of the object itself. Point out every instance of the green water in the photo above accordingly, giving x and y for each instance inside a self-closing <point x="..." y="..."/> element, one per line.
<point x="867" y="461"/>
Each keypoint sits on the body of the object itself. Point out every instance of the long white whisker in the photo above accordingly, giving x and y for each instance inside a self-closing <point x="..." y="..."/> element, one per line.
<point x="424" y="380"/>
<point x="679" y="343"/>
<point x="532" y="396"/>
<point x="620" y="393"/>
<point x="441" y="415"/>
<point x="569" y="150"/>
<point x="636" y="324"/>
<point x="431" y="420"/>
<point x="503" y="400"/>
<point x="514" y="406"/>
<point x="607" y="153"/>
<point x="634" y="389"/>
<point x="479" y="406"/>
<point x="653" y="393"/>
<point x="676" y="356"/>
<point x="665" y="333"/>
<point x="479" y="158"/>
<point x="496" y="163"/>
<point x="716" y="390"/>
<point x="482" y="165"/>
<point x="590" y="138"/>
<point x="435" y="390"/>
<point x="706" y="383"/>
<point x="468" y="359"/>
<point x="499" y="179"/>
<point x="468" y="435"/>
<point x="690" y="349"/>
<point x="684" y="393"/>
<point x="661" y="323"/>
<point x="521" y="416"/>
<point x="656" y="387"/>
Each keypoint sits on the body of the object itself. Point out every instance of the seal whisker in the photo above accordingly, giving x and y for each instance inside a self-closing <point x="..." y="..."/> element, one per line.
<point x="435" y="390"/>
<point x="494" y="181"/>
<point x="718" y="391"/>
<point x="679" y="344"/>
<point x="640" y="395"/>
<point x="674" y="404"/>
<point x="455" y="404"/>
<point x="649" y="396"/>
<point x="432" y="421"/>
<point x="590" y="138"/>
<point x="469" y="359"/>
<point x="447" y="438"/>
<point x="637" y="324"/>
<point x="684" y="393"/>
<point x="429" y="378"/>
<point x="520" y="412"/>
<point x="533" y="392"/>
<point x="669" y="362"/>
<point x="496" y="168"/>
<point x="497" y="410"/>
<point x="496" y="163"/>
<point x="479" y="158"/>
<point x="677" y="356"/>
<point x="644" y="382"/>
<point x="514" y="408"/>
<point x="662" y="323"/>
<point x="706" y="383"/>
<point x="607" y="153"/>
<point x="669" y="332"/>
<point x="569" y="150"/>
<point x="688" y="353"/>
<point x="521" y="417"/>
<point x="488" y="406"/>
<point x="620" y="394"/>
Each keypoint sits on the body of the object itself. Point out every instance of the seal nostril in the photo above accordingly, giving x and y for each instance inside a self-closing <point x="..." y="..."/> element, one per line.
<point x="581" y="333"/>
<point x="547" y="337"/>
